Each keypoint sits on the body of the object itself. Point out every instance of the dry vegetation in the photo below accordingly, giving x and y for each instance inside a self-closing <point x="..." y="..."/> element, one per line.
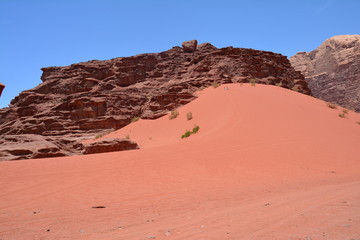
<point x="252" y="81"/>
<point x="135" y="119"/>
<point x="189" y="116"/>
<point x="342" y="115"/>
<point x="215" y="85"/>
<point x="106" y="132"/>
<point x="174" y="114"/>
<point x="331" y="105"/>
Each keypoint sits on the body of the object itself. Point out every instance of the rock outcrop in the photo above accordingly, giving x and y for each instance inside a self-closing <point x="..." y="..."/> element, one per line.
<point x="28" y="146"/>
<point x="79" y="101"/>
<point x="189" y="46"/>
<point x="333" y="70"/>
<point x="110" y="145"/>
<point x="2" y="86"/>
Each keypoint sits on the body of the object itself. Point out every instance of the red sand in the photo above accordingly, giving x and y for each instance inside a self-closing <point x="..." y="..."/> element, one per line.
<point x="267" y="163"/>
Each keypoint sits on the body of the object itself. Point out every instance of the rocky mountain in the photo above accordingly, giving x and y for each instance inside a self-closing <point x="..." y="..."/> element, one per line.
<point x="84" y="99"/>
<point x="333" y="70"/>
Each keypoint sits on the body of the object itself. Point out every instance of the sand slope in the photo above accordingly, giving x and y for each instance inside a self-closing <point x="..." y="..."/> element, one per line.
<point x="267" y="163"/>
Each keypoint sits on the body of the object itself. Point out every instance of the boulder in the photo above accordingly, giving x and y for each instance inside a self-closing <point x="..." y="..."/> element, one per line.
<point x="189" y="46"/>
<point x="110" y="145"/>
<point x="2" y="86"/>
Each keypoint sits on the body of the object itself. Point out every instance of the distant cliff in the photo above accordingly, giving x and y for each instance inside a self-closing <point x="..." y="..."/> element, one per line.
<point x="333" y="70"/>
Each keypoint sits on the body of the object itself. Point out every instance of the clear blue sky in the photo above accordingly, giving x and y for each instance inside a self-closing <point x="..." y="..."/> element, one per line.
<point x="41" y="33"/>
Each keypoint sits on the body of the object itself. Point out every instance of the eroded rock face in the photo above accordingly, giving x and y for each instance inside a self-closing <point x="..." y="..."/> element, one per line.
<point x="110" y="145"/>
<point x="83" y="99"/>
<point x="333" y="70"/>
<point x="28" y="146"/>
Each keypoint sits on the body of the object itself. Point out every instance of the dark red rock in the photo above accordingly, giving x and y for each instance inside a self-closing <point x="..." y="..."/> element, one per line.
<point x="2" y="86"/>
<point x="110" y="145"/>
<point x="83" y="99"/>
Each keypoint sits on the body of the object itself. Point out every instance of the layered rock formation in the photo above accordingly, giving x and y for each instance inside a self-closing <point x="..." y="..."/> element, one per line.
<point x="110" y="145"/>
<point x="83" y="99"/>
<point x="333" y="70"/>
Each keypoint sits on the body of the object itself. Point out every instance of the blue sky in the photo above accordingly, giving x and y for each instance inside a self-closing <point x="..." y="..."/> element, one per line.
<point x="41" y="33"/>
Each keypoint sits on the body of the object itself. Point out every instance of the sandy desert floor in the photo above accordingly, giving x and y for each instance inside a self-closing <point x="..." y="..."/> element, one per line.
<point x="267" y="163"/>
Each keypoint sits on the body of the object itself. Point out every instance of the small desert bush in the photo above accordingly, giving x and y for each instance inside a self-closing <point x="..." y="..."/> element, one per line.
<point x="188" y="133"/>
<point x="252" y="81"/>
<point x="135" y="119"/>
<point x="99" y="135"/>
<point x="358" y="122"/>
<point x="331" y="105"/>
<point x="174" y="114"/>
<point x="215" y="85"/>
<point x="127" y="136"/>
<point x="195" y="129"/>
<point x="103" y="133"/>
<point x="279" y="84"/>
<point x="189" y="116"/>
<point x="342" y="115"/>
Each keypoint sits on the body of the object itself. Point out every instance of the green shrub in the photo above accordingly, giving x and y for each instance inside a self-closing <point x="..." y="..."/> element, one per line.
<point x="345" y="111"/>
<point x="195" y="129"/>
<point x="186" y="134"/>
<point x="189" y="116"/>
<point x="358" y="122"/>
<point x="174" y="114"/>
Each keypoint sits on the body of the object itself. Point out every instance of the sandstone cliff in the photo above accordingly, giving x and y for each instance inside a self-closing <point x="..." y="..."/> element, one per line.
<point x="83" y="99"/>
<point x="333" y="70"/>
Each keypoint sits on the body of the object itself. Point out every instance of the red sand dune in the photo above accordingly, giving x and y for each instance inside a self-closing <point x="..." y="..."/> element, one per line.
<point x="267" y="163"/>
